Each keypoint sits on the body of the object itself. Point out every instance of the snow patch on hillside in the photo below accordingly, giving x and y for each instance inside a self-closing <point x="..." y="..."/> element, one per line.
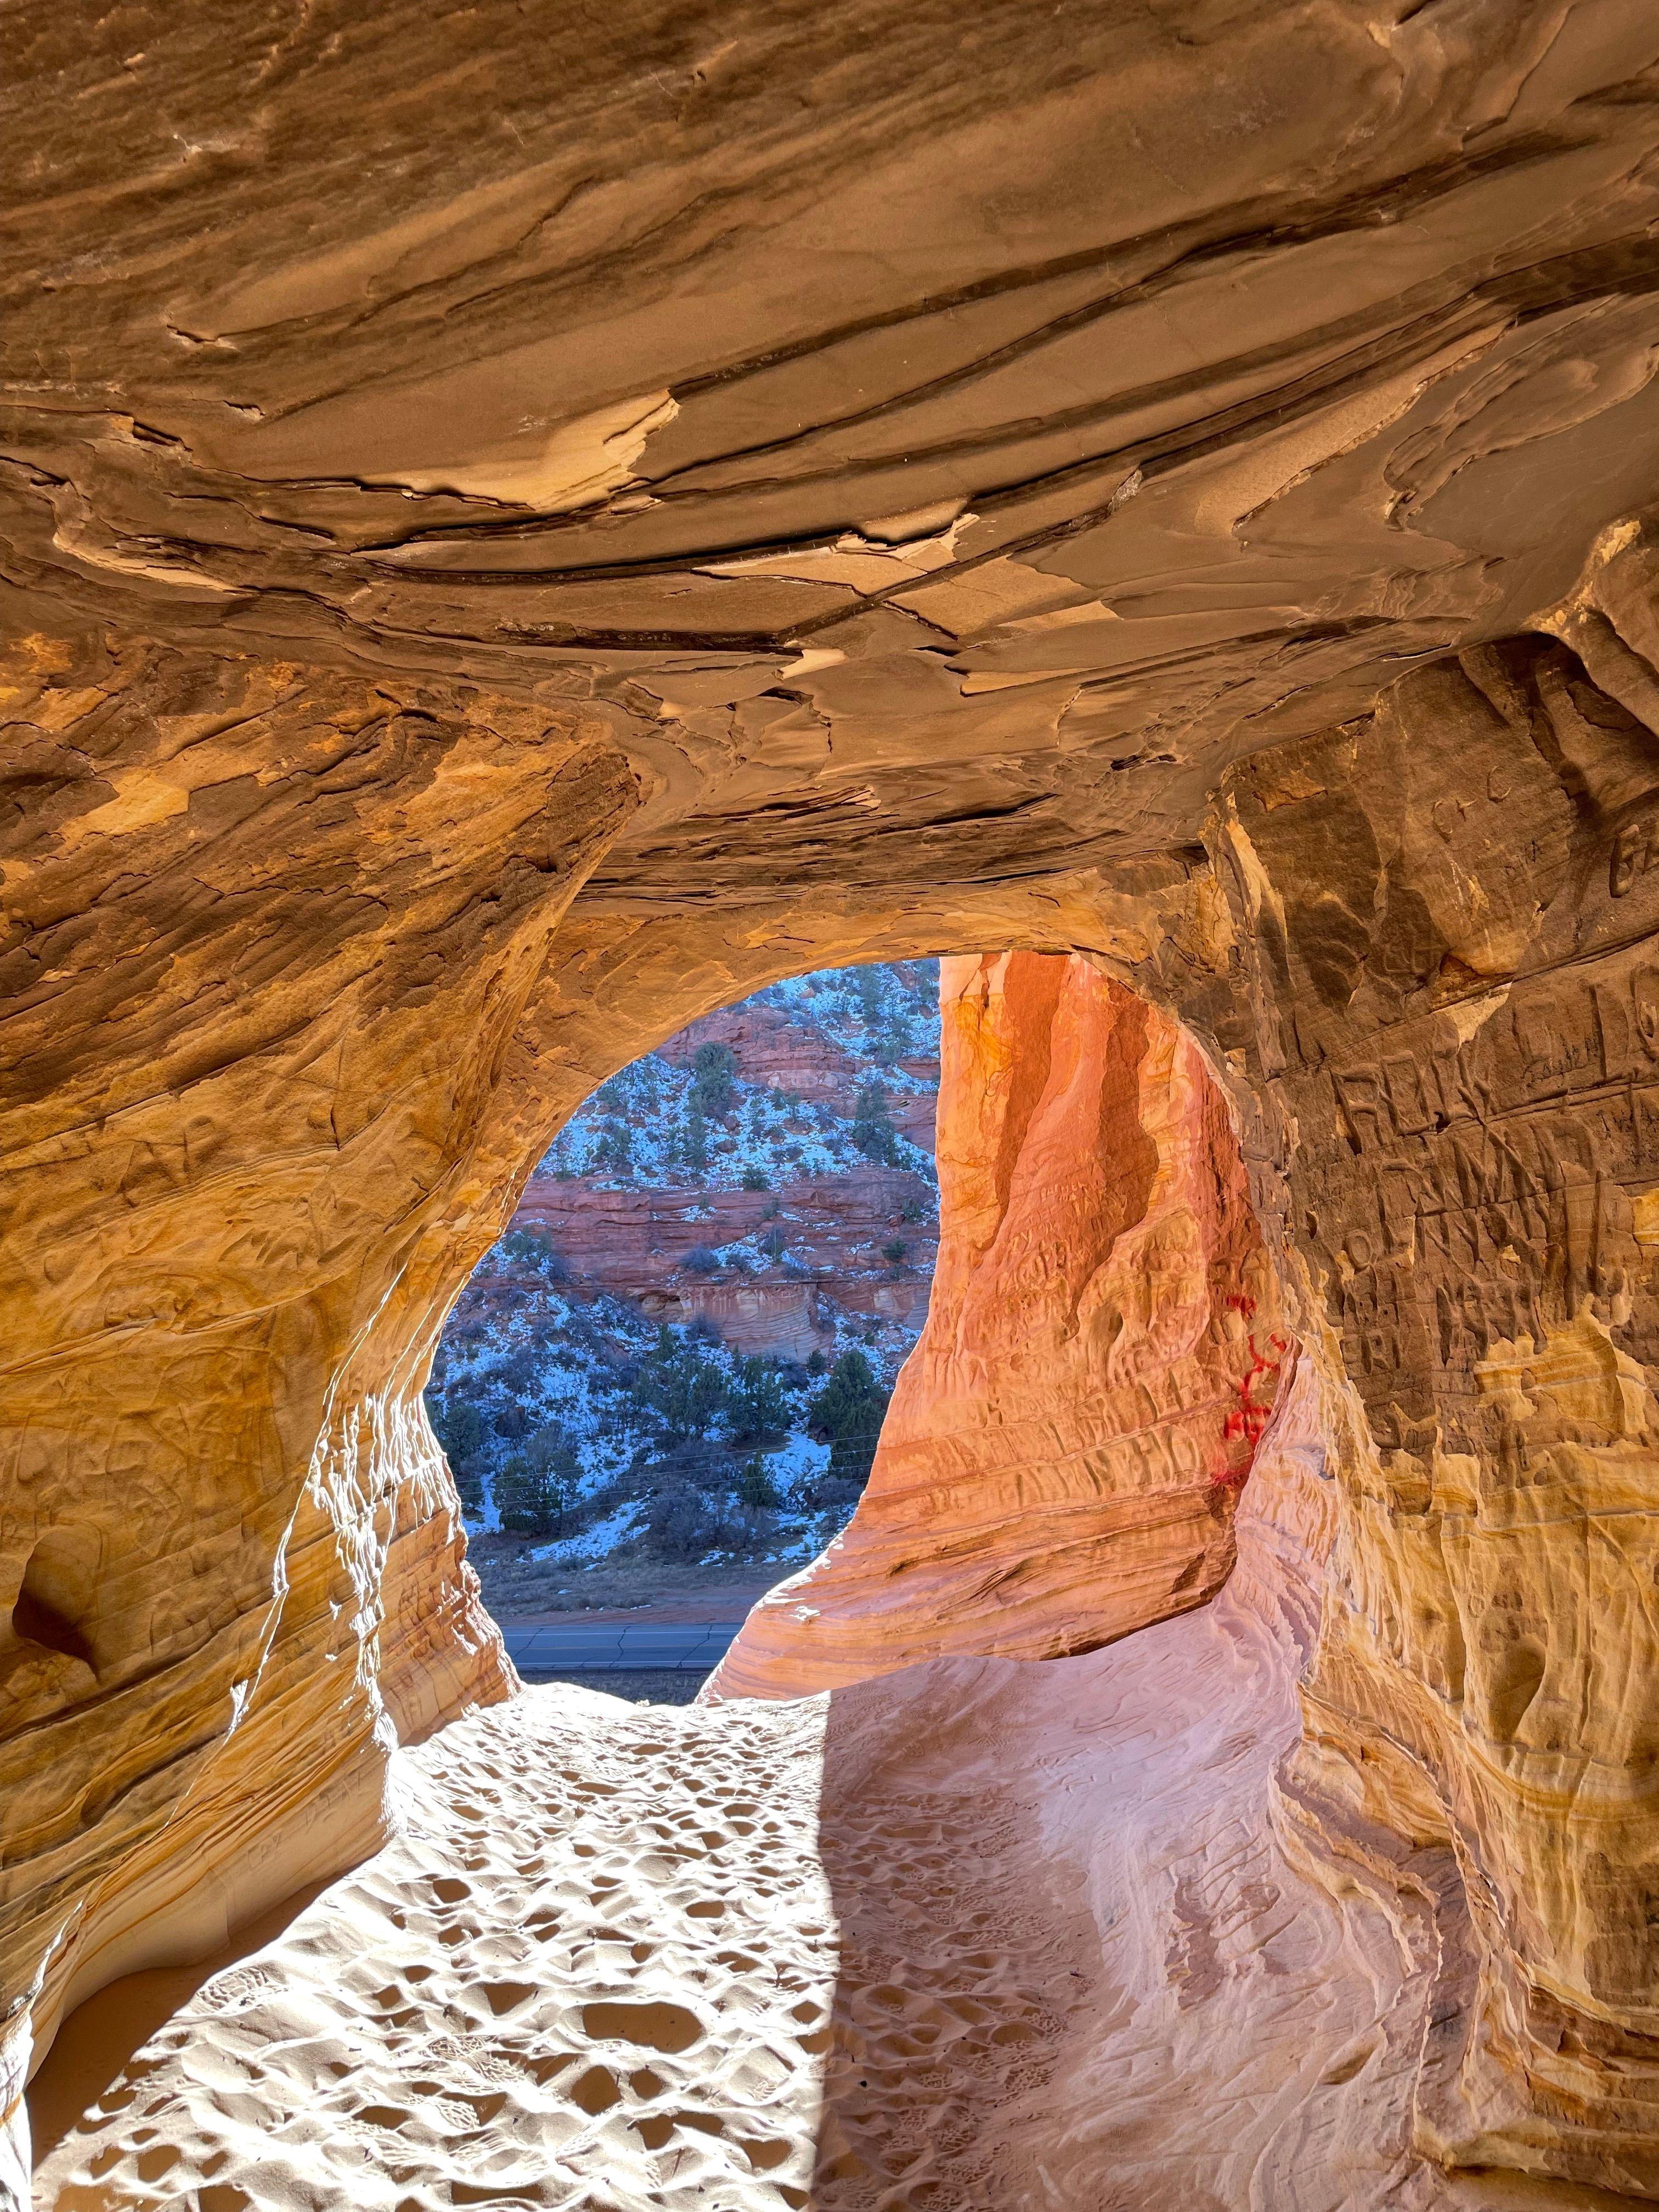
<point x="593" y="1543"/>
<point x="638" y="1131"/>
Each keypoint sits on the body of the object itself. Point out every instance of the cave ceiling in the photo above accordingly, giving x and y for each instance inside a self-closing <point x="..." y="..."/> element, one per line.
<point x="936" y="440"/>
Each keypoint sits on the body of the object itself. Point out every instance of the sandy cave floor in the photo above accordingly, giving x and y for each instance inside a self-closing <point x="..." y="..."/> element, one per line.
<point x="980" y="1935"/>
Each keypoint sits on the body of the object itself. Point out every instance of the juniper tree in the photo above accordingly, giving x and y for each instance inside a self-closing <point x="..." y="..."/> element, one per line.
<point x="847" y="1414"/>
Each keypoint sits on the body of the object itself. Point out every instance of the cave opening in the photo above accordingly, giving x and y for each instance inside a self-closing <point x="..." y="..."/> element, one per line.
<point x="57" y="1597"/>
<point x="513" y="541"/>
<point x="661" y="1389"/>
<point x="1063" y="1458"/>
<point x="664" y="1391"/>
<point x="1064" y="1465"/>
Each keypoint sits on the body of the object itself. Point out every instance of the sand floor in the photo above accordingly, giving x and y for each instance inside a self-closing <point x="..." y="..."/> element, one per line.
<point x="979" y="1937"/>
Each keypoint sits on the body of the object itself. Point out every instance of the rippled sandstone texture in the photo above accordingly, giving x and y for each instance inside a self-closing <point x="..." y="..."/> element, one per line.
<point x="1101" y="1352"/>
<point x="510" y="541"/>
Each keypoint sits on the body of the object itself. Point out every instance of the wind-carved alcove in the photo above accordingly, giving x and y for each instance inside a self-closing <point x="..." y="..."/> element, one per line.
<point x="1444" y="1145"/>
<point x="57" y="1599"/>
<point x="1103" y="1350"/>
<point x="510" y="541"/>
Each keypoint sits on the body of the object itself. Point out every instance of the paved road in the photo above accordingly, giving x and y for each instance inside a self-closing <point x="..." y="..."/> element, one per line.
<point x="557" y="1648"/>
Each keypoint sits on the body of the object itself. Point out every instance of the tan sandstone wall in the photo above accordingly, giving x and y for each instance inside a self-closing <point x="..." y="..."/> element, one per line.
<point x="1065" y="1445"/>
<point x="246" y="1160"/>
<point x="292" y="1016"/>
<point x="1446" y="912"/>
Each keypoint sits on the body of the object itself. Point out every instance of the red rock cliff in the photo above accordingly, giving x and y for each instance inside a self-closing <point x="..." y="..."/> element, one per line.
<point x="835" y="1227"/>
<point x="790" y="1055"/>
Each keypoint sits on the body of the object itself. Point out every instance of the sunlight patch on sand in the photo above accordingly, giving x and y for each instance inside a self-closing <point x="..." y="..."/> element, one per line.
<point x="596" y="1968"/>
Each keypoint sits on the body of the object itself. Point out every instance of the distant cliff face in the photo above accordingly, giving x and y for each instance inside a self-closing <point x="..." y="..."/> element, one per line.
<point x="718" y="1230"/>
<point x="823" y="1038"/>
<point x="648" y="1245"/>
<point x="767" y="1172"/>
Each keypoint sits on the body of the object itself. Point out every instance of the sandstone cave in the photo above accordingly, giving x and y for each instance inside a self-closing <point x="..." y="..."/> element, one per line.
<point x="522" y="527"/>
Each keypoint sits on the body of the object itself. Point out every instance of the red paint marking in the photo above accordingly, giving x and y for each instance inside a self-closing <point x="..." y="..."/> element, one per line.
<point x="1247" y="1419"/>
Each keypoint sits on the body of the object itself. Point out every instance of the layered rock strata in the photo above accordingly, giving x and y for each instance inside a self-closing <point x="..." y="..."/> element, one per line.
<point x="1066" y="1444"/>
<point x="232" y="1558"/>
<point x="634" y="1244"/>
<point x="509" y="544"/>
<point x="235" y="1573"/>
<point x="1447" y="916"/>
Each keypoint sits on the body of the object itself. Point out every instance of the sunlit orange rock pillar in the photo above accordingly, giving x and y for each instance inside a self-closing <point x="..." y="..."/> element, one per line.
<point x="1066" y="1444"/>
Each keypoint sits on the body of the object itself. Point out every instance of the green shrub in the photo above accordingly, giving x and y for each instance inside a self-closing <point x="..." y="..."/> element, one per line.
<point x="713" y="1079"/>
<point x="532" y="1248"/>
<point x="683" y="1389"/>
<point x="460" y="1429"/>
<point x="847" y="1414"/>
<point x="615" y="1148"/>
<point x="536" y="1486"/>
<point x="755" y="1487"/>
<point x="758" y="1405"/>
<point x="872" y="1124"/>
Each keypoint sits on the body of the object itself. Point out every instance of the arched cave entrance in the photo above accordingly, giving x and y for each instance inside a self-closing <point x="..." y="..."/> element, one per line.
<point x="661" y="1390"/>
<point x="1080" y="1413"/>
<point x="511" y="542"/>
<point x="1103" y="1256"/>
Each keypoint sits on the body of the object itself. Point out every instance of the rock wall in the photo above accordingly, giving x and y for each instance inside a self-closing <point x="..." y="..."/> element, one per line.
<point x="1448" y="917"/>
<point x="1065" y="1446"/>
<point x="244" y="1165"/>
<point x="508" y="544"/>
<point x="261" y="1119"/>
